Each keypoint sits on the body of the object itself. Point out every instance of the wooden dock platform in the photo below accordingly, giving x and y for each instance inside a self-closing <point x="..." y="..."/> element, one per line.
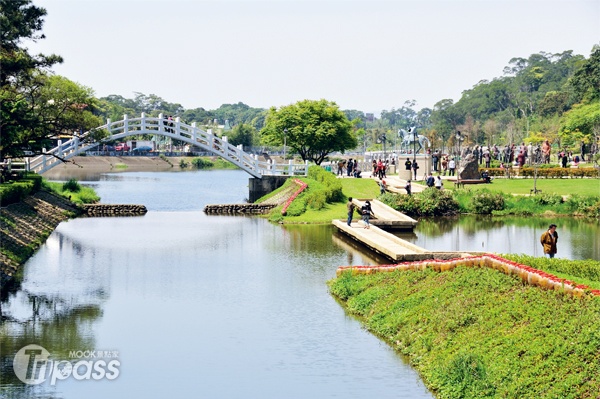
<point x="390" y="246"/>
<point x="386" y="217"/>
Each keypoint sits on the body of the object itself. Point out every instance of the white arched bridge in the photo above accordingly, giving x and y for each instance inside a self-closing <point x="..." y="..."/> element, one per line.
<point x="174" y="129"/>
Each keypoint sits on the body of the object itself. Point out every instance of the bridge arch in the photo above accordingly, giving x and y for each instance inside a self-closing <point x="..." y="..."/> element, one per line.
<point x="175" y="129"/>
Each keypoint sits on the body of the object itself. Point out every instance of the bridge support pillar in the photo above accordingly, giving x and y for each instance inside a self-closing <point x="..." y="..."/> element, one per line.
<point x="259" y="187"/>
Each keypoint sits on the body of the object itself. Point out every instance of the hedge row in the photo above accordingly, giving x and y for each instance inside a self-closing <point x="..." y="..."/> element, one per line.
<point x="15" y="190"/>
<point x="548" y="173"/>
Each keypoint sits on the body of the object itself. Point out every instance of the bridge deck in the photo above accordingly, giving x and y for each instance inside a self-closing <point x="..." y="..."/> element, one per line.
<point x="390" y="246"/>
<point x="386" y="217"/>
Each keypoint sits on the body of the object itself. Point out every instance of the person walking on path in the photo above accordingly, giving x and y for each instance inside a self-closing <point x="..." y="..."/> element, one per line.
<point x="366" y="213"/>
<point x="408" y="188"/>
<point x="548" y="240"/>
<point x="430" y="180"/>
<point x="451" y="166"/>
<point x="444" y="165"/>
<point x="382" y="188"/>
<point x="415" y="166"/>
<point x="351" y="207"/>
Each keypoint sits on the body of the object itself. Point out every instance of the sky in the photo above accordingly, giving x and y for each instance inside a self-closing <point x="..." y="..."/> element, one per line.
<point x="364" y="55"/>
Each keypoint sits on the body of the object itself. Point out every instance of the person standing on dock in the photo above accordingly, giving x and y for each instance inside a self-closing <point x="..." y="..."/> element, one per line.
<point x="366" y="212"/>
<point x="351" y="207"/>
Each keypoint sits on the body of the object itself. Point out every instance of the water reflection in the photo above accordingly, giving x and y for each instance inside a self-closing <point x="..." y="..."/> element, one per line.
<point x="578" y="238"/>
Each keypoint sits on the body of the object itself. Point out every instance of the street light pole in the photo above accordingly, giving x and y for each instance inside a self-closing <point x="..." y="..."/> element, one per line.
<point x="459" y="139"/>
<point x="415" y="138"/>
<point x="285" y="131"/>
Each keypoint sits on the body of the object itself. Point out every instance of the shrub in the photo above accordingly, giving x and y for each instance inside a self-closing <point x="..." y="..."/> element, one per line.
<point x="183" y="164"/>
<point x="485" y="202"/>
<point x="316" y="199"/>
<point x="297" y="207"/>
<point x="35" y="179"/>
<point x="593" y="211"/>
<point x="202" y="163"/>
<point x="427" y="203"/>
<point x="548" y="199"/>
<point x="71" y="185"/>
<point x="333" y="187"/>
<point x="585" y="205"/>
<point x="15" y="191"/>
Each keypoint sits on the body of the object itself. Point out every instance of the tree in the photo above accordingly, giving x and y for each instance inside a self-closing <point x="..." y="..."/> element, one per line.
<point x="586" y="81"/>
<point x="243" y="134"/>
<point x="581" y="123"/>
<point x="48" y="106"/>
<point x="313" y="129"/>
<point x="21" y="75"/>
<point x="445" y="117"/>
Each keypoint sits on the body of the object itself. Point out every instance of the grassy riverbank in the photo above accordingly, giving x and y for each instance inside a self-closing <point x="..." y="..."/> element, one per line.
<point x="474" y="333"/>
<point x="73" y="191"/>
<point x="571" y="197"/>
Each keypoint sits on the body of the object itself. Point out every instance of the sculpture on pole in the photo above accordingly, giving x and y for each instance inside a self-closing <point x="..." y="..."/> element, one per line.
<point x="409" y="138"/>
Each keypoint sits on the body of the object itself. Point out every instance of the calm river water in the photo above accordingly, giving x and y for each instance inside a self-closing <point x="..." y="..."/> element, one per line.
<point x="202" y="306"/>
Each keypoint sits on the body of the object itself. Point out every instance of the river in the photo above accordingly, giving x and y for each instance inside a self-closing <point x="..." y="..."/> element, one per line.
<point x="191" y="305"/>
<point x="197" y="306"/>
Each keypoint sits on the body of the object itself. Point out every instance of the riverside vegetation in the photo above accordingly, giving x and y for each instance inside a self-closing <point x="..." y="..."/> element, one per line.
<point x="325" y="198"/>
<point x="474" y="333"/>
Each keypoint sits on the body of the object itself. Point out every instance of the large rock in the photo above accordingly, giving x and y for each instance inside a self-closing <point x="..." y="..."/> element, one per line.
<point x="468" y="167"/>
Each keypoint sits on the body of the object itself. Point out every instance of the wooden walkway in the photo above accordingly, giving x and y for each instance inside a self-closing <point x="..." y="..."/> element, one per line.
<point x="386" y="217"/>
<point x="389" y="245"/>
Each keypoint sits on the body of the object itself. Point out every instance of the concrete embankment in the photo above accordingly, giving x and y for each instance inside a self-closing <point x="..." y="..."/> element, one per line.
<point x="108" y="210"/>
<point x="243" y="209"/>
<point x="24" y="226"/>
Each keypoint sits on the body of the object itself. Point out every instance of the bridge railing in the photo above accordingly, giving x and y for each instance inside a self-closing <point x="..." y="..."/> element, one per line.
<point x="175" y="129"/>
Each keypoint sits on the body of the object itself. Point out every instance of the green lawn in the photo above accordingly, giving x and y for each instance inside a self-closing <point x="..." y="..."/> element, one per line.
<point x="549" y="186"/>
<point x="356" y="188"/>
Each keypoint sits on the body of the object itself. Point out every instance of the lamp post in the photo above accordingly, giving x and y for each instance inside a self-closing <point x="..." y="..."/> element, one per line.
<point x="415" y="138"/>
<point x="383" y="139"/>
<point x="459" y="138"/>
<point x="284" y="142"/>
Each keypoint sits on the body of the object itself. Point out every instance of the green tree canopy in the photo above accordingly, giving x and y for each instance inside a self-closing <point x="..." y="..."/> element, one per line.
<point x="311" y="128"/>
<point x="581" y="123"/>
<point x="30" y="100"/>
<point x="586" y="81"/>
<point x="243" y="134"/>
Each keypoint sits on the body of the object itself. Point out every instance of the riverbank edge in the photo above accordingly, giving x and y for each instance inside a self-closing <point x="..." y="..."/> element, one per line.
<point x="25" y="226"/>
<point x="473" y="332"/>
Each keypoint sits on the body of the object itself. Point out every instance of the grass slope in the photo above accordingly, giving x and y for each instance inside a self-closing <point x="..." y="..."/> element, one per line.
<point x="357" y="188"/>
<point x="477" y="333"/>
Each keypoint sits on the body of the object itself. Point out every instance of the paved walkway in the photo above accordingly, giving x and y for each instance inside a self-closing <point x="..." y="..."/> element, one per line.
<point x="396" y="185"/>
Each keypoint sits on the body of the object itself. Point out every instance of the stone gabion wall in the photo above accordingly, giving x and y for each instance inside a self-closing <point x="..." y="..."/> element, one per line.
<point x="107" y="210"/>
<point x="242" y="209"/>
